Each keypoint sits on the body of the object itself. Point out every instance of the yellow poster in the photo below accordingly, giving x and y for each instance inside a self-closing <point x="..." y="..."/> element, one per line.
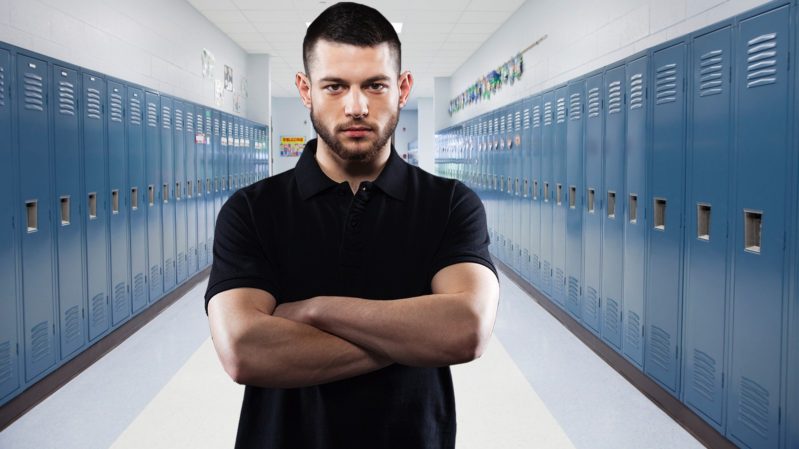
<point x="291" y="146"/>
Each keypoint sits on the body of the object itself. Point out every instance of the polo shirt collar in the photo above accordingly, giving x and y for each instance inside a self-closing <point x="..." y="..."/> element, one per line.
<point x="311" y="180"/>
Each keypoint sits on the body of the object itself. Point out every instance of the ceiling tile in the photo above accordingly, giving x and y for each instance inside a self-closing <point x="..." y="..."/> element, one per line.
<point x="225" y="15"/>
<point x="494" y="5"/>
<point x="470" y="28"/>
<point x="468" y="37"/>
<point x="236" y="27"/>
<point x="484" y="16"/>
<point x="255" y="15"/>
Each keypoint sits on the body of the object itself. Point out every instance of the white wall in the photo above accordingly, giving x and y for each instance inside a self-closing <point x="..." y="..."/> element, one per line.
<point x="289" y="118"/>
<point x="155" y="43"/>
<point x="407" y="130"/>
<point x="584" y="35"/>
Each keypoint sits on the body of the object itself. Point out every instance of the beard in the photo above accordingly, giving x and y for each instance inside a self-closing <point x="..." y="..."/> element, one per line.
<point x="351" y="152"/>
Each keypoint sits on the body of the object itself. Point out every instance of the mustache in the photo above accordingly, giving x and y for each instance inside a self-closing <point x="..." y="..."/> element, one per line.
<point x="355" y="124"/>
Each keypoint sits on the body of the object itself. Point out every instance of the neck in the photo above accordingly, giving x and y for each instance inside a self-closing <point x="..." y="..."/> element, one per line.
<point x="353" y="172"/>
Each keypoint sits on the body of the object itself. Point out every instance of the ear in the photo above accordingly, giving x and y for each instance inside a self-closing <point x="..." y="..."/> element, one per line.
<point x="405" y="86"/>
<point x="303" y="83"/>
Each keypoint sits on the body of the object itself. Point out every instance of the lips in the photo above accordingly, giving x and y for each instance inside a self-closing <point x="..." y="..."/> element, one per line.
<point x="356" y="131"/>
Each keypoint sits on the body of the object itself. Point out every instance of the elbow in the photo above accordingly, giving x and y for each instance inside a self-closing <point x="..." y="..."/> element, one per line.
<point x="473" y="341"/>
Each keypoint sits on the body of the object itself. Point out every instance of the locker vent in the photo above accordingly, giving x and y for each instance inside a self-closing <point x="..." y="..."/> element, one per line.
<point x="547" y="113"/>
<point x="66" y="98"/>
<point x="190" y="258"/>
<point x="593" y="102"/>
<point x="659" y="342"/>
<point x="591" y="302"/>
<point x="72" y="324"/>
<point x="178" y="120"/>
<point x="169" y="270"/>
<point x="152" y="115"/>
<point x="536" y="263"/>
<point x="166" y="117"/>
<point x="546" y="275"/>
<point x="98" y="310"/>
<point x="93" y="108"/>
<point x="518" y="123"/>
<point x="560" y="281"/>
<point x="199" y="123"/>
<point x="138" y="285"/>
<point x="116" y="108"/>
<point x="575" y="107"/>
<point x="634" y="330"/>
<point x="762" y="60"/>
<point x="666" y="84"/>
<point x="40" y="341"/>
<point x="502" y="125"/>
<point x="574" y="293"/>
<point x="614" y="97"/>
<point x="636" y="91"/>
<point x="135" y="111"/>
<point x="710" y="73"/>
<point x="208" y="126"/>
<point x="753" y="406"/>
<point x="2" y="86"/>
<point x="155" y="277"/>
<point x="120" y="297"/>
<point x="561" y="110"/>
<point x="181" y="262"/>
<point x="536" y="116"/>
<point x="189" y="122"/>
<point x="34" y="94"/>
<point x="704" y="374"/>
<point x="5" y="361"/>
<point x="612" y="316"/>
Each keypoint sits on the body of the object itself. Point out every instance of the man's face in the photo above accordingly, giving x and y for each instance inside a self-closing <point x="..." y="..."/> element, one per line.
<point x="354" y="96"/>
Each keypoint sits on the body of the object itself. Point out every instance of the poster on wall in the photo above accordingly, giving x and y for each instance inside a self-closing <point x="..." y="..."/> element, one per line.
<point x="218" y="92"/>
<point x="208" y="61"/>
<point x="228" y="78"/>
<point x="291" y="146"/>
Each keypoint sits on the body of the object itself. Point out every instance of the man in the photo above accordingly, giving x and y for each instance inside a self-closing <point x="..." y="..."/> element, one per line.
<point x="341" y="290"/>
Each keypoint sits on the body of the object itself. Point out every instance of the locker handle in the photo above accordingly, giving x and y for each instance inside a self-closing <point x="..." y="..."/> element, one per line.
<point x="753" y="227"/>
<point x="134" y="198"/>
<point x="572" y="197"/>
<point x="703" y="221"/>
<point x="591" y="200"/>
<point x="165" y="193"/>
<point x="559" y="194"/>
<point x="611" y="205"/>
<point x="633" y="209"/>
<point x="32" y="208"/>
<point x="93" y="206"/>
<point x="151" y="195"/>
<point x="65" y="210"/>
<point x="660" y="214"/>
<point x="546" y="192"/>
<point x="115" y="201"/>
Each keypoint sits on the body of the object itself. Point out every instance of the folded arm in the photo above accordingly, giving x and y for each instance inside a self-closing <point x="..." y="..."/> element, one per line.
<point x="450" y="326"/>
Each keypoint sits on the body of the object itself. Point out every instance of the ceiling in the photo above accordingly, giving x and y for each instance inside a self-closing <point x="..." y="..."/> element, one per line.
<point x="437" y="37"/>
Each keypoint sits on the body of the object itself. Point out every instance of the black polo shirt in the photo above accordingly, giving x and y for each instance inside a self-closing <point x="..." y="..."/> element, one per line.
<point x="298" y="235"/>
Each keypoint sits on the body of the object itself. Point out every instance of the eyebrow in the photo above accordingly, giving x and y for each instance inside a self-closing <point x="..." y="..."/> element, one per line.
<point x="332" y="79"/>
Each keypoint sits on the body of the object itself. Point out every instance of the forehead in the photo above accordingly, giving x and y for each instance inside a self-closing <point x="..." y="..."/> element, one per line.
<point x="345" y="61"/>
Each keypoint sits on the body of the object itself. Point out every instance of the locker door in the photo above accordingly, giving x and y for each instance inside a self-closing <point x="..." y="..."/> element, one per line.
<point x="69" y="210"/>
<point x="527" y="197"/>
<point x="9" y="300"/>
<point x="214" y="151"/>
<point x="168" y="192"/>
<point x="153" y="196"/>
<point x="491" y="183"/>
<point x="761" y="172"/>
<point x="192" y="191"/>
<point x="559" y="197"/>
<point x="547" y="185"/>
<point x="120" y="197"/>
<point x="706" y="233"/>
<point x="573" y="197"/>
<point x="636" y="219"/>
<point x="613" y="216"/>
<point x="181" y="217"/>
<point x="535" y="192"/>
<point x="36" y="227"/>
<point x="666" y="180"/>
<point x="95" y="163"/>
<point x="137" y="172"/>
<point x="204" y="188"/>
<point x="592" y="213"/>
<point x="502" y="167"/>
<point x="516" y="168"/>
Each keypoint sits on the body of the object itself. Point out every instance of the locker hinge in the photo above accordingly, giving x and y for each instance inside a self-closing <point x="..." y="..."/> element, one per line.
<point x="54" y="328"/>
<point x="17" y="349"/>
<point x="722" y="381"/>
<point x="779" y="416"/>
<point x="106" y="299"/>
<point x="677" y="352"/>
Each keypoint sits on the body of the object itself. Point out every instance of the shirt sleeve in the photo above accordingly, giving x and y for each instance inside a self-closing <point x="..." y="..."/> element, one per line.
<point x="465" y="237"/>
<point x="239" y="259"/>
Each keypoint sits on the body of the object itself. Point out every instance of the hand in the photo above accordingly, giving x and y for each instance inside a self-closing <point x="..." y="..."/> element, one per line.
<point x="299" y="311"/>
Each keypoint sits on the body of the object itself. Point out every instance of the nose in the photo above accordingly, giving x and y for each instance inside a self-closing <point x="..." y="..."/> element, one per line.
<point x="356" y="104"/>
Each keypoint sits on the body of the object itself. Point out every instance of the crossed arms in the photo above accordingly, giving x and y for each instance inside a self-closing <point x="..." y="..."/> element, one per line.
<point x="324" y="339"/>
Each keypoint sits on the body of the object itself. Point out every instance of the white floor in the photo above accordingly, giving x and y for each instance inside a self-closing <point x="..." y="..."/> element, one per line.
<point x="536" y="386"/>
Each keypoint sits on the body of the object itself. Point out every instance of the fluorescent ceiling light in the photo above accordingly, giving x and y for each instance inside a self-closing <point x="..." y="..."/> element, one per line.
<point x="397" y="26"/>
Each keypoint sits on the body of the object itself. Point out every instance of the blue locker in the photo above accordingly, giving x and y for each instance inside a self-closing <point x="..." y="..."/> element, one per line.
<point x="592" y="216"/>
<point x="574" y="197"/>
<point x="117" y="175"/>
<point x="516" y="175"/>
<point x="666" y="188"/>
<point x="508" y="221"/>
<point x="613" y="216"/>
<point x="535" y="192"/>
<point x="69" y="225"/>
<point x="636" y="220"/>
<point x="9" y="300"/>
<point x="137" y="179"/>
<point x="95" y="163"/>
<point x="706" y="232"/>
<point x="527" y="197"/>
<point x="495" y="181"/>
<point x="489" y="185"/>
<point x="762" y="170"/>
<point x="547" y="196"/>
<point x="36" y="228"/>
<point x="153" y="175"/>
<point x="559" y="197"/>
<point x="181" y="214"/>
<point x="203" y="188"/>
<point x="168" y="192"/>
<point x="214" y="168"/>
<point x="502" y="220"/>
<point x="193" y="191"/>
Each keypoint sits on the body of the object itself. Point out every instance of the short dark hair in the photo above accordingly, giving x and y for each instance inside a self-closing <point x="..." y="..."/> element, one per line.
<point x="353" y="24"/>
